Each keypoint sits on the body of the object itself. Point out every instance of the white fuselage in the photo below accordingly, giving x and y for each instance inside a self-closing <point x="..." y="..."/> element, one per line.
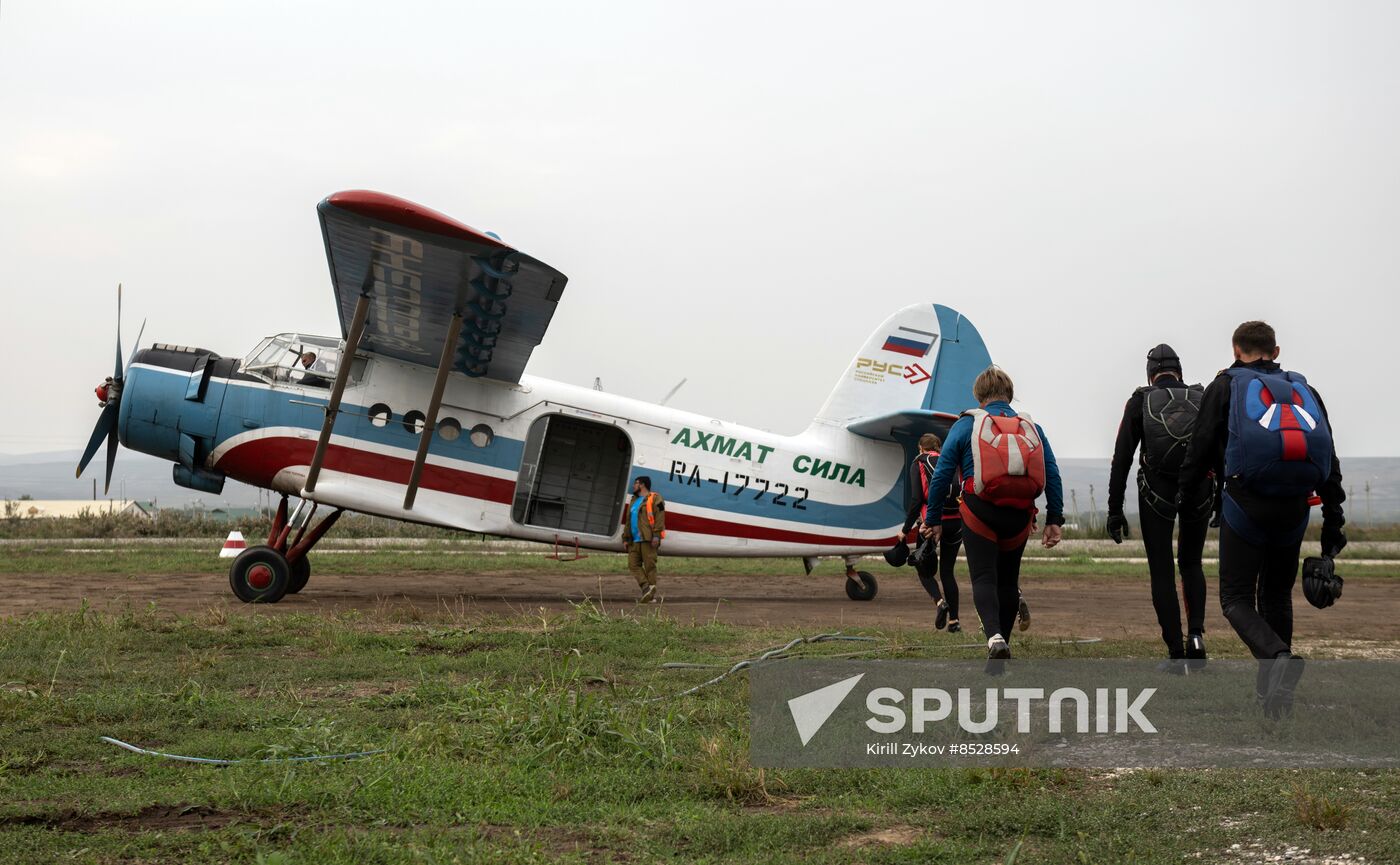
<point x="729" y="490"/>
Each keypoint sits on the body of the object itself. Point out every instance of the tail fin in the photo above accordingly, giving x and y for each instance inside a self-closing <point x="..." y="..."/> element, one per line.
<point x="920" y="363"/>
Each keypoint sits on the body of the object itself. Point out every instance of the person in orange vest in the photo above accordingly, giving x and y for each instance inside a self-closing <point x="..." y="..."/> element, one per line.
<point x="643" y="528"/>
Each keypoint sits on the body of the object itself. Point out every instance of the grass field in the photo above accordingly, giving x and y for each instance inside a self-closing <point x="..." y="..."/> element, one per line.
<point x="156" y="557"/>
<point x="536" y="739"/>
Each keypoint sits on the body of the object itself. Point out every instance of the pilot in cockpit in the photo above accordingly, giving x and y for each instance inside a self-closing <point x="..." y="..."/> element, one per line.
<point x="316" y="374"/>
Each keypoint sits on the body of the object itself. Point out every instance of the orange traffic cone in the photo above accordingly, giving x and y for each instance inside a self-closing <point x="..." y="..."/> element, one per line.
<point x="233" y="546"/>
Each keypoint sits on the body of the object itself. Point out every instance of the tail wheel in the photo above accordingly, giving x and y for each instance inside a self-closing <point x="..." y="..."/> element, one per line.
<point x="861" y="586"/>
<point x="260" y="575"/>
<point x="301" y="572"/>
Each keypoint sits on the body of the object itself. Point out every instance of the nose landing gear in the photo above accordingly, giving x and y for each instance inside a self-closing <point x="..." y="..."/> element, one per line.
<point x="269" y="572"/>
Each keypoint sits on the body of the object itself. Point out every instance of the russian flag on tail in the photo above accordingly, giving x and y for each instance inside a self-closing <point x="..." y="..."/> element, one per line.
<point x="907" y="340"/>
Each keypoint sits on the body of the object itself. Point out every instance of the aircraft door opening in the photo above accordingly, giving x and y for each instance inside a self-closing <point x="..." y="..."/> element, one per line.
<point x="573" y="477"/>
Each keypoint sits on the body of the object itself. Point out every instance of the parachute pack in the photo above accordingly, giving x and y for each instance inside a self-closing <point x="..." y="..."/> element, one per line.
<point x="1279" y="444"/>
<point x="1008" y="460"/>
<point x="1168" y="416"/>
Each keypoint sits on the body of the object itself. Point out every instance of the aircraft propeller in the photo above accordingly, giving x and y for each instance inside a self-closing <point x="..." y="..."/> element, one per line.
<point x="109" y="396"/>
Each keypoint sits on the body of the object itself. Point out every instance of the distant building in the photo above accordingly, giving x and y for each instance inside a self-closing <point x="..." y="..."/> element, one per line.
<point x="37" y="509"/>
<point x="229" y="515"/>
<point x="219" y="513"/>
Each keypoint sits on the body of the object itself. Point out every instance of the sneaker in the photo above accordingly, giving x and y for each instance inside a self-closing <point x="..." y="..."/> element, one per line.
<point x="1283" y="678"/>
<point x="1023" y="615"/>
<point x="648" y="594"/>
<point x="997" y="650"/>
<point x="1196" y="651"/>
<point x="954" y="626"/>
<point x="941" y="619"/>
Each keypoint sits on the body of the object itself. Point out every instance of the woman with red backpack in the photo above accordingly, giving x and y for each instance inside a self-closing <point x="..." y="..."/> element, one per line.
<point x="1006" y="463"/>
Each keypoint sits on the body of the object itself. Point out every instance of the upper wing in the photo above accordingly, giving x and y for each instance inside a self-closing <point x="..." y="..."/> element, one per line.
<point x="419" y="269"/>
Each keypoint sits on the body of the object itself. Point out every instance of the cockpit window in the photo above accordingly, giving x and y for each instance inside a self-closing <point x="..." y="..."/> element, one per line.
<point x="299" y="359"/>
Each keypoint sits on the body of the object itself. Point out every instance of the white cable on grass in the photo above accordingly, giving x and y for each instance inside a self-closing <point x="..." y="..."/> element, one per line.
<point x="777" y="654"/>
<point x="214" y="761"/>
<point x="778" y="650"/>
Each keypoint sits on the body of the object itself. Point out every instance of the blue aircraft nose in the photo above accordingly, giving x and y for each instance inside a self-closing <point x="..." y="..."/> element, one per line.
<point x="170" y="410"/>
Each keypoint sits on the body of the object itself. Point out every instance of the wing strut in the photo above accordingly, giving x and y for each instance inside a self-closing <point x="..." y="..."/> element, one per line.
<point x="342" y="374"/>
<point x="449" y="347"/>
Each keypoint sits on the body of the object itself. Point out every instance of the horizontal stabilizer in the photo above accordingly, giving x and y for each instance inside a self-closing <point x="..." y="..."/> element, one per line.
<point x="910" y="423"/>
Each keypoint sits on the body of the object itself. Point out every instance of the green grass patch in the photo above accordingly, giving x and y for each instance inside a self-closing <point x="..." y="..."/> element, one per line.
<point x="140" y="561"/>
<point x="540" y="739"/>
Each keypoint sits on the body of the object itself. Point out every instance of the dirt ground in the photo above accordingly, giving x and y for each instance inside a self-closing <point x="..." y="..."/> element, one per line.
<point x="1110" y="608"/>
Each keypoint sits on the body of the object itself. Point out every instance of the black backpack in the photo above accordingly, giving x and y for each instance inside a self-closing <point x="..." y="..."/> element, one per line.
<point x="1168" y="416"/>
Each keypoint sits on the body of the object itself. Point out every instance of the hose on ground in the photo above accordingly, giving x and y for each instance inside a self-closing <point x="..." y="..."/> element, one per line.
<point x="215" y="761"/>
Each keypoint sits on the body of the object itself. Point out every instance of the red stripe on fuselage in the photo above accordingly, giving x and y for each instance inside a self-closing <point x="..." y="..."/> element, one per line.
<point x="257" y="461"/>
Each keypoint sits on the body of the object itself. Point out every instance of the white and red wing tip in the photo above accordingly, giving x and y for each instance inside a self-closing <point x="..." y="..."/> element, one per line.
<point x="402" y="212"/>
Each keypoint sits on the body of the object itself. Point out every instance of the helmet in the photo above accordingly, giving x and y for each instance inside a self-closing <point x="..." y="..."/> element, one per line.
<point x="1161" y="359"/>
<point x="1321" y="584"/>
<point x="898" y="554"/>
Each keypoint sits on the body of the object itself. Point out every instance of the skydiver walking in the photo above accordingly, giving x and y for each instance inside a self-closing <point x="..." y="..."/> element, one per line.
<point x="934" y="560"/>
<point x="1266" y="432"/>
<point x="1005" y="463"/>
<point x="1157" y="422"/>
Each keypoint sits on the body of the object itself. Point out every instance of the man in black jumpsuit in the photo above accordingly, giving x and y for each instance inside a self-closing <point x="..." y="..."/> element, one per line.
<point x="1158" y="419"/>
<point x="1260" y="535"/>
<point x="920" y="471"/>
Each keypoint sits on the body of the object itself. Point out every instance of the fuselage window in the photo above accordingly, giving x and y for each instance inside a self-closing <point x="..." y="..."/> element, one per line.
<point x="379" y="414"/>
<point x="413" y="421"/>
<point x="449" y="429"/>
<point x="482" y="435"/>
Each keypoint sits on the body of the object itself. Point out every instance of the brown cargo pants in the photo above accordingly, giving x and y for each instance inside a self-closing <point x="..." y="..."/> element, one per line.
<point x="641" y="561"/>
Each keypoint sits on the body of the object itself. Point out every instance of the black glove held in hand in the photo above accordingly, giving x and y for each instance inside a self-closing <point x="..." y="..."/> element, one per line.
<point x="1117" y="527"/>
<point x="1334" y="540"/>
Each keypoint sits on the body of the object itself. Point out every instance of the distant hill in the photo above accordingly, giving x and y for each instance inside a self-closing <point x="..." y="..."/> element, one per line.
<point x="1383" y="473"/>
<point x="137" y="476"/>
<point x="50" y="476"/>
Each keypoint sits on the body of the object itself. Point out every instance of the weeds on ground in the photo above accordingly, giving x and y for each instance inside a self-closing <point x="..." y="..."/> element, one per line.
<point x="722" y="770"/>
<point x="1319" y="812"/>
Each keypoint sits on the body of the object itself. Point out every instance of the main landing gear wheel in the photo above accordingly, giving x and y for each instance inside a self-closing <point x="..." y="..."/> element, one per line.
<point x="260" y="575"/>
<point x="301" y="572"/>
<point x="861" y="586"/>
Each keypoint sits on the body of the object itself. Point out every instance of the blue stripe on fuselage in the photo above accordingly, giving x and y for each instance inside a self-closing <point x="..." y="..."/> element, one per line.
<point x="268" y="407"/>
<point x="872" y="516"/>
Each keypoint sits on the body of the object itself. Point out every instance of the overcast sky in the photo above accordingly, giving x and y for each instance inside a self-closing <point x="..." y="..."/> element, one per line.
<point x="745" y="190"/>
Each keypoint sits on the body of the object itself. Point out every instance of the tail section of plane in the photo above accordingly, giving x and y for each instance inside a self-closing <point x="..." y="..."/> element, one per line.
<point x="916" y="366"/>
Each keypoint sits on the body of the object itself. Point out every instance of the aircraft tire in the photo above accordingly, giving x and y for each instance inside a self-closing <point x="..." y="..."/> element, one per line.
<point x="301" y="572"/>
<point x="260" y="575"/>
<point x="863" y="588"/>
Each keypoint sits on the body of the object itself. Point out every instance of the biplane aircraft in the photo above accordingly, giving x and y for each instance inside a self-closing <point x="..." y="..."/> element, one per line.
<point x="421" y="411"/>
